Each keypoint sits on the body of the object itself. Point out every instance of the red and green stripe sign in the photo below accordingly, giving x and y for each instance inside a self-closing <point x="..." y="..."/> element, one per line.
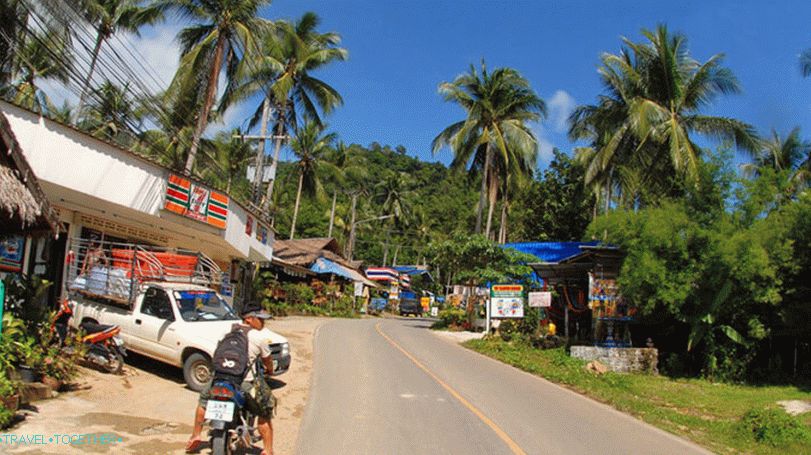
<point x="178" y="190"/>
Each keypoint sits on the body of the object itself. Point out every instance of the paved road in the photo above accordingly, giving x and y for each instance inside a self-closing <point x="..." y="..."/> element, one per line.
<point x="392" y="387"/>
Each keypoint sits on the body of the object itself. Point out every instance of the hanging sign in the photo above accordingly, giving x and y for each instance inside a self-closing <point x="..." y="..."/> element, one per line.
<point x="11" y="254"/>
<point x="540" y="299"/>
<point x="507" y="301"/>
<point x="196" y="202"/>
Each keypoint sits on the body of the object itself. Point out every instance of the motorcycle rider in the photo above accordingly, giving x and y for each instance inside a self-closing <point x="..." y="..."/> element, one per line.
<point x="254" y="317"/>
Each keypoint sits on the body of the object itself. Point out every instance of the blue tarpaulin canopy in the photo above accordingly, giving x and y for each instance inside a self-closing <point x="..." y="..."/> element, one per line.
<point x="413" y="270"/>
<point x="325" y="266"/>
<point x="551" y="251"/>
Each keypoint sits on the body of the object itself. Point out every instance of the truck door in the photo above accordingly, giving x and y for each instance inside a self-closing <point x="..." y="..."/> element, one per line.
<point x="155" y="325"/>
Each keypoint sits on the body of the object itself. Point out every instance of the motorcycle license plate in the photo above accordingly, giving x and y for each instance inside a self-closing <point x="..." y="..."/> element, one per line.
<point x="220" y="410"/>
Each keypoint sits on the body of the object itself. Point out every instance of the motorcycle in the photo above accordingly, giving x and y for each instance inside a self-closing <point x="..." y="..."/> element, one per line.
<point x="232" y="424"/>
<point x="104" y="348"/>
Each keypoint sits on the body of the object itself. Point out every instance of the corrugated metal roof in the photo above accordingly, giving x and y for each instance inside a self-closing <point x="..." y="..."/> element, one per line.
<point x="551" y="251"/>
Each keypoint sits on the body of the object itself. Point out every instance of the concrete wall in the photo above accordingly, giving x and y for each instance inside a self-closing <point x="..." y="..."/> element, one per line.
<point x="620" y="360"/>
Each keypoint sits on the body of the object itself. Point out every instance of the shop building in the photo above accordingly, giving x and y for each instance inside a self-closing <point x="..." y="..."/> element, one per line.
<point x="103" y="192"/>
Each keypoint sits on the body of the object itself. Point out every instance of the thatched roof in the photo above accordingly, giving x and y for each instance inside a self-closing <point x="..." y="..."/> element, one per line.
<point x="304" y="252"/>
<point x="23" y="206"/>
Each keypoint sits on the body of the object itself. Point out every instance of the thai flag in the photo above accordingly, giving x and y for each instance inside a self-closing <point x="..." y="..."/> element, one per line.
<point x="405" y="280"/>
<point x="381" y="274"/>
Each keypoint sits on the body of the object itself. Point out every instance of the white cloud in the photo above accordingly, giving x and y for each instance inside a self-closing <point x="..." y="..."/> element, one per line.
<point x="560" y="106"/>
<point x="545" y="146"/>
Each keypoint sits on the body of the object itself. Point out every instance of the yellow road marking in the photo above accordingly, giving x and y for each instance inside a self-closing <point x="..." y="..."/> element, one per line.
<point x="501" y="434"/>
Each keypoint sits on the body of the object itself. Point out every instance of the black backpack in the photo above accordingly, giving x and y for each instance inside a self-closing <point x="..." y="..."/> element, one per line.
<point x="231" y="356"/>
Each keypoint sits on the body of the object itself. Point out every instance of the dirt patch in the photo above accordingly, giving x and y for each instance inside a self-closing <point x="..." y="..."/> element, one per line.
<point x="150" y="409"/>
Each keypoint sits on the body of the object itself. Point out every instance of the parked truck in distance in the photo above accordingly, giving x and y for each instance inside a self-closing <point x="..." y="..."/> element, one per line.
<point x="163" y="314"/>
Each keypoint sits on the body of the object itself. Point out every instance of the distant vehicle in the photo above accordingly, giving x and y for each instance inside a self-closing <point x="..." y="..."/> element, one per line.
<point x="409" y="304"/>
<point x="377" y="305"/>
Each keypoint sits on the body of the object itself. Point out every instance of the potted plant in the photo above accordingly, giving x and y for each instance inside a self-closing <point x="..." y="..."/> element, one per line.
<point x="29" y="358"/>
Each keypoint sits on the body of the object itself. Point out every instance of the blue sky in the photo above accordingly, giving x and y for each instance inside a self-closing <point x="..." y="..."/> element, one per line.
<point x="399" y="51"/>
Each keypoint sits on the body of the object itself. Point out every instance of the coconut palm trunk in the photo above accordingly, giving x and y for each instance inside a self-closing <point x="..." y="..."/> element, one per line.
<point x="502" y="234"/>
<point x="295" y="208"/>
<point x="211" y="91"/>
<point x="93" y="59"/>
<point x="491" y="203"/>
<point x="488" y="158"/>
<point x="332" y="213"/>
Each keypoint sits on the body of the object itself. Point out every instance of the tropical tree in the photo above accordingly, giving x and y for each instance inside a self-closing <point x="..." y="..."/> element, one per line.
<point x="645" y="120"/>
<point x="498" y="107"/>
<point x="309" y="146"/>
<point x="283" y="75"/>
<point x="112" y="114"/>
<point x="45" y="56"/>
<point x="224" y="33"/>
<point x="109" y="17"/>
<point x="791" y="154"/>
<point x="226" y="163"/>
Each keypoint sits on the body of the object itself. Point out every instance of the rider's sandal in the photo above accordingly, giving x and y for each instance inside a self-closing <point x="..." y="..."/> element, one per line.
<point x="194" y="446"/>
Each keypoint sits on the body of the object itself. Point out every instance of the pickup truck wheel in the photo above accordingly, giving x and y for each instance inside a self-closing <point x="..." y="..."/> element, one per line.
<point x="197" y="371"/>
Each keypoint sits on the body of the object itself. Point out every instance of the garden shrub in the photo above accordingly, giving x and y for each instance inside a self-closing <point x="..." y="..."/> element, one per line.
<point x="451" y="317"/>
<point x="774" y="427"/>
<point x="6" y="416"/>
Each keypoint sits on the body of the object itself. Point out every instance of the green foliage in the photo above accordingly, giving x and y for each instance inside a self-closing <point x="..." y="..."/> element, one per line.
<point x="475" y="260"/>
<point x="25" y="299"/>
<point x="774" y="427"/>
<point x="451" y="318"/>
<point x="6" y="416"/>
<point x="556" y="206"/>
<point x="709" y="413"/>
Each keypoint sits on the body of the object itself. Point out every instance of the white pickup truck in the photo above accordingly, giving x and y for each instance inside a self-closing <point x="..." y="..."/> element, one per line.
<point x="176" y="323"/>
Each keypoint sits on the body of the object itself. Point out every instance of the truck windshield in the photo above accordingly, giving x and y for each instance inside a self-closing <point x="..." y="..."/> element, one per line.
<point x="203" y="306"/>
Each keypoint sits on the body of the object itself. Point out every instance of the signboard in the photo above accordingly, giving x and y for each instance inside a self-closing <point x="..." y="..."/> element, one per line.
<point x="11" y="254"/>
<point x="540" y="299"/>
<point x="507" y="301"/>
<point x="425" y="302"/>
<point x="196" y="202"/>
<point x="358" y="289"/>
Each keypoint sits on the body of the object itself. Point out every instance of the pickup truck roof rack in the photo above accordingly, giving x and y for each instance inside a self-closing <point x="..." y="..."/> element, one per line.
<point x="114" y="271"/>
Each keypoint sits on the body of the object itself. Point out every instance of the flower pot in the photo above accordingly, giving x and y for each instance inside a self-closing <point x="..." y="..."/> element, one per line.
<point x="12" y="402"/>
<point x="27" y="374"/>
<point x="51" y="382"/>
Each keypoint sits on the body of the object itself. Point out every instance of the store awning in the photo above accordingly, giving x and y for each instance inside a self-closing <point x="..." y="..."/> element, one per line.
<point x="323" y="266"/>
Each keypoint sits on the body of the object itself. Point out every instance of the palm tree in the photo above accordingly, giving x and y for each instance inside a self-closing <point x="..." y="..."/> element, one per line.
<point x="654" y="96"/>
<point x="112" y="114"/>
<point x="283" y="74"/>
<point x="46" y="56"/>
<point x="228" y="159"/>
<point x="498" y="106"/>
<point x="791" y="153"/>
<point x="109" y="17"/>
<point x="224" y="32"/>
<point x="310" y="146"/>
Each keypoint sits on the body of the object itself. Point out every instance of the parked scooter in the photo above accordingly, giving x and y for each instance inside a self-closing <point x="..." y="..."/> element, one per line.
<point x="104" y="348"/>
<point x="233" y="425"/>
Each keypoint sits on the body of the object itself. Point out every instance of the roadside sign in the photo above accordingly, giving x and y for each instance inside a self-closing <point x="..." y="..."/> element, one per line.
<point x="434" y="311"/>
<point x="507" y="301"/>
<point x="540" y="299"/>
<point x="358" y="289"/>
<point x="425" y="302"/>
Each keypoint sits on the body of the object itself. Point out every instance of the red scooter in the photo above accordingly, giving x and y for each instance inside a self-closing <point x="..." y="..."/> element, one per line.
<point x="104" y="348"/>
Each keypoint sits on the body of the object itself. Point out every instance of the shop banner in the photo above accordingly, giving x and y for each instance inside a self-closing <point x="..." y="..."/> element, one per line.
<point x="540" y="299"/>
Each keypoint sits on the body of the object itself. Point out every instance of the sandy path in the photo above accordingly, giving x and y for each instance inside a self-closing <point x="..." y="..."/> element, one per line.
<point x="150" y="409"/>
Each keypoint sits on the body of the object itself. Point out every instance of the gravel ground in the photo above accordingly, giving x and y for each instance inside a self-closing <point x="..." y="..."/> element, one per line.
<point x="150" y="408"/>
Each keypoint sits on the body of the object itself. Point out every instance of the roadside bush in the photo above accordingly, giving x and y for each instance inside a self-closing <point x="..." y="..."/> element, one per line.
<point x="507" y="330"/>
<point x="6" y="416"/>
<point x="451" y="318"/>
<point x="298" y="294"/>
<point x="774" y="427"/>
